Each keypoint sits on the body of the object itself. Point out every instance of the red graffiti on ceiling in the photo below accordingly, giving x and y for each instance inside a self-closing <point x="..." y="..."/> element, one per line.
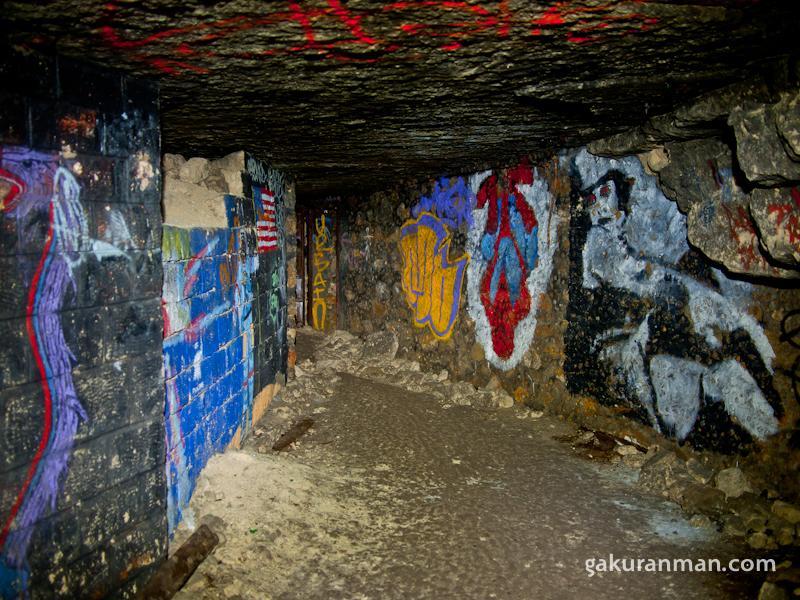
<point x="190" y="48"/>
<point x="585" y="24"/>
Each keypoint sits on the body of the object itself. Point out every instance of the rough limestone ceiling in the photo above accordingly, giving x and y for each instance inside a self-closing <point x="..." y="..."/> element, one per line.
<point x="352" y="95"/>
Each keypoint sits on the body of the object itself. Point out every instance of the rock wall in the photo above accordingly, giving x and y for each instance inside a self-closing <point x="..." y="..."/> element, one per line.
<point x="730" y="160"/>
<point x="659" y="333"/>
<point x="225" y="312"/>
<point x="470" y="272"/>
<point x="82" y="494"/>
<point x="573" y="285"/>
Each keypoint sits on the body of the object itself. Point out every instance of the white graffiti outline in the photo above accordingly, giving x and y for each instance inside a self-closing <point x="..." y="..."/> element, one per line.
<point x="538" y="196"/>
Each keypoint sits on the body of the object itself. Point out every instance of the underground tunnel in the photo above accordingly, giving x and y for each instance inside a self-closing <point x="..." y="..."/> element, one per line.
<point x="414" y="299"/>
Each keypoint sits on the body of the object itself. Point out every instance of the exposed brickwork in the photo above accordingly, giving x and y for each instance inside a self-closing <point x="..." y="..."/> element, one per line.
<point x="225" y="347"/>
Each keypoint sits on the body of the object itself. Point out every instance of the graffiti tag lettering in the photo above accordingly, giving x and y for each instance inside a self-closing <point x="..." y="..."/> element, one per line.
<point x="324" y="254"/>
<point x="431" y="281"/>
<point x="453" y="204"/>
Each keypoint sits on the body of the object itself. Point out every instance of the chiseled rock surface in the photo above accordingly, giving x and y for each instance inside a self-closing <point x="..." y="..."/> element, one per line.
<point x="691" y="176"/>
<point x="787" y="121"/>
<point x="776" y="213"/>
<point x="351" y="95"/>
<point x="730" y="161"/>
<point x="732" y="482"/>
<point x="760" y="149"/>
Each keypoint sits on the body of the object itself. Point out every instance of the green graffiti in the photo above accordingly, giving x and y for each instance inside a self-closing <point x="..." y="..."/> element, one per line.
<point x="175" y="243"/>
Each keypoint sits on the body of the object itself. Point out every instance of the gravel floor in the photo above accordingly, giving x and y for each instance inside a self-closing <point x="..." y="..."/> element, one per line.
<point x="393" y="494"/>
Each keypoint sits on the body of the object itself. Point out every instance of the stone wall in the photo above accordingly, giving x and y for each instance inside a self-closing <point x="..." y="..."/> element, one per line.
<point x="470" y="273"/>
<point x="225" y="309"/>
<point x="574" y="285"/>
<point x="82" y="494"/>
<point x="731" y="161"/>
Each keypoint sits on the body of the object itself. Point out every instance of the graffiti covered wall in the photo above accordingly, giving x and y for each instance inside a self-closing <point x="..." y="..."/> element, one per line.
<point x="431" y="281"/>
<point x="224" y="307"/>
<point x="574" y="286"/>
<point x="465" y="279"/>
<point x="81" y="425"/>
<point x="513" y="240"/>
<point x="652" y="326"/>
<point x="270" y="280"/>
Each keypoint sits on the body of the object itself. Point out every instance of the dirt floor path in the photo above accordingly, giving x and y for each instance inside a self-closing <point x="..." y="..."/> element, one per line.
<point x="402" y="494"/>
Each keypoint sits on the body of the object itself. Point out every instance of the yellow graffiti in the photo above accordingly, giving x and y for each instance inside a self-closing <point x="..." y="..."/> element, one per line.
<point x="431" y="281"/>
<point x="323" y="251"/>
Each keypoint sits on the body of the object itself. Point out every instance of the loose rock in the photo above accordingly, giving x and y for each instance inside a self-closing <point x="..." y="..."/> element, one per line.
<point x="732" y="482"/>
<point x="786" y="511"/>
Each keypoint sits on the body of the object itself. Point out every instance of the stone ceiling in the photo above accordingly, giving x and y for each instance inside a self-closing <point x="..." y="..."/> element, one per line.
<point x="352" y="95"/>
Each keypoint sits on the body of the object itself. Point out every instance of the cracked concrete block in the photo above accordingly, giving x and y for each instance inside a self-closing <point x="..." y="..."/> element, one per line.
<point x="188" y="205"/>
<point x="172" y="164"/>
<point x="231" y="167"/>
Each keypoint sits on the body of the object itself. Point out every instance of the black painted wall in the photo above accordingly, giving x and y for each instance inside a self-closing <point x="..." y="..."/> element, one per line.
<point x="82" y="492"/>
<point x="269" y="281"/>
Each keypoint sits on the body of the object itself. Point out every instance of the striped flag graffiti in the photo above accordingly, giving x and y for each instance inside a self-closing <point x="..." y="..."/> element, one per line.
<point x="266" y="226"/>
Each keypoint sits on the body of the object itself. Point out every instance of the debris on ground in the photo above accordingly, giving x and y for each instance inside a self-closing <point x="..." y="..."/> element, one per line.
<point x="722" y="498"/>
<point x="604" y="446"/>
<point x="176" y="570"/>
<point x="294" y="432"/>
<point x="397" y="454"/>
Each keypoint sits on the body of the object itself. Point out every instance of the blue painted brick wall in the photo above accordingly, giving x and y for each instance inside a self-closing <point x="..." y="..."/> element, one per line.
<point x="216" y="354"/>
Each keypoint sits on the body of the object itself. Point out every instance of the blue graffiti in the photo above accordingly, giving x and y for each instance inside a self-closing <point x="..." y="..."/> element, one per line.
<point x="513" y="250"/>
<point x="723" y="179"/>
<point x="453" y="204"/>
<point x="208" y="352"/>
<point x="13" y="581"/>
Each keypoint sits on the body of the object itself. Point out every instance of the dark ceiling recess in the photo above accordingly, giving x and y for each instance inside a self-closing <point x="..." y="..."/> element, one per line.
<point x="351" y="96"/>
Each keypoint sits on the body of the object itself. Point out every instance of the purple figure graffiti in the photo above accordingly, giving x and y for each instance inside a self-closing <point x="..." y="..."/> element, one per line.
<point x="37" y="184"/>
